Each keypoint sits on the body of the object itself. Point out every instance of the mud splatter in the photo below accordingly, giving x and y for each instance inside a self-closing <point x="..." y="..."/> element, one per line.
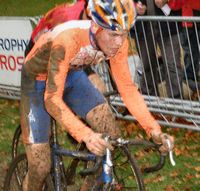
<point x="102" y="120"/>
<point x="39" y="165"/>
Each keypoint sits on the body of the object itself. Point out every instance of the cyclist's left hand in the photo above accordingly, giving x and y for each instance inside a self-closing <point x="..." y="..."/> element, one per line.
<point x="161" y="138"/>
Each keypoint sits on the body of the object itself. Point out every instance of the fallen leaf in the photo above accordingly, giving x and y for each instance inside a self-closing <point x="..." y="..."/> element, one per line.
<point x="169" y="188"/>
<point x="197" y="168"/>
<point x="197" y="175"/>
<point x="174" y="174"/>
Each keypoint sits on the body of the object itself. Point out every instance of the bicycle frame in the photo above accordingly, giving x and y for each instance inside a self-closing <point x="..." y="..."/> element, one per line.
<point x="57" y="151"/>
<point x="106" y="162"/>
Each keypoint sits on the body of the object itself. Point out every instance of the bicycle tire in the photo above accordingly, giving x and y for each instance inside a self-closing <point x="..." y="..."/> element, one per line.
<point x="15" y="175"/>
<point x="127" y="174"/>
<point x="17" y="172"/>
<point x="16" y="142"/>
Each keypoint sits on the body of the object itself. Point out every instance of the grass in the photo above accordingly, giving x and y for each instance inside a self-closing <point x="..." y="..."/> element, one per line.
<point x="185" y="176"/>
<point x="9" y="112"/>
<point x="9" y="119"/>
<point x="27" y="8"/>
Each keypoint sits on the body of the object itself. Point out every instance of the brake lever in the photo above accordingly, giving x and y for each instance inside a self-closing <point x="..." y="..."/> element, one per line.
<point x="171" y="158"/>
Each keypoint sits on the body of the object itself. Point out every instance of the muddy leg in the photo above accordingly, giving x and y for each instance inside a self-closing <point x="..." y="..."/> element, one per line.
<point x="39" y="164"/>
<point x="102" y="120"/>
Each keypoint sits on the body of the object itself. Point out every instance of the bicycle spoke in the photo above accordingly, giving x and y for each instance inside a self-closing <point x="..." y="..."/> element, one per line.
<point x="16" y="175"/>
<point x="124" y="175"/>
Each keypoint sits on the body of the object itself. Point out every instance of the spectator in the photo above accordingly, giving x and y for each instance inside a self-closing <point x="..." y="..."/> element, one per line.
<point x="55" y="16"/>
<point x="190" y="39"/>
<point x="148" y="37"/>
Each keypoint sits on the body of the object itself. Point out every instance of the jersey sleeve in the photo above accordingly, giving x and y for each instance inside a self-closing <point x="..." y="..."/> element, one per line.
<point x="128" y="91"/>
<point x="57" y="72"/>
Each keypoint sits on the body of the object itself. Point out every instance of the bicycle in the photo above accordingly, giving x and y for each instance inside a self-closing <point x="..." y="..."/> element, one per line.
<point x="119" y="172"/>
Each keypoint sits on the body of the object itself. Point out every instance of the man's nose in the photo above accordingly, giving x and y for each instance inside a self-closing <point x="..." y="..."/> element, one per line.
<point x="119" y="41"/>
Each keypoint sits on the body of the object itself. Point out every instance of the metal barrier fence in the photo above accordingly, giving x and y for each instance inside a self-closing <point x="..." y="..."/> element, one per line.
<point x="168" y="73"/>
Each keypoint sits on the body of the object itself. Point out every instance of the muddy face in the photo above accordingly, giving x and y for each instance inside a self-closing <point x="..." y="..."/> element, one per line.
<point x="110" y="41"/>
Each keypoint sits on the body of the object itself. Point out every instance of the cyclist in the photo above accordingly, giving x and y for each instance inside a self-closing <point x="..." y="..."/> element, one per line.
<point x="54" y="84"/>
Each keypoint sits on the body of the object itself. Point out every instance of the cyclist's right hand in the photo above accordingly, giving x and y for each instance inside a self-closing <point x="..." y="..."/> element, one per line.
<point x="162" y="138"/>
<point x="96" y="144"/>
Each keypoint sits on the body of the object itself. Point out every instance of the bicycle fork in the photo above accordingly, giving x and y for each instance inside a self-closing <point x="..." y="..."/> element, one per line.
<point x="57" y="171"/>
<point x="107" y="177"/>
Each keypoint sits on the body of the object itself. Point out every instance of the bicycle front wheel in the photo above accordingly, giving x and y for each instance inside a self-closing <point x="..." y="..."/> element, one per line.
<point x="17" y="144"/>
<point x="17" y="172"/>
<point x="127" y="174"/>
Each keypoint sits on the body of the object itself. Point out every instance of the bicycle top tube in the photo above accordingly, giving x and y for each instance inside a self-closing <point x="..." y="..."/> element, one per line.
<point x="75" y="154"/>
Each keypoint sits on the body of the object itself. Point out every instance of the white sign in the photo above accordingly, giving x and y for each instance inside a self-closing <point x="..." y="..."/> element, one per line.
<point x="14" y="37"/>
<point x="166" y="9"/>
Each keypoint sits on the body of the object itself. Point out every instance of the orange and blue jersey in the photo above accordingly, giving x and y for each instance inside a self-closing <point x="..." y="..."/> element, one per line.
<point x="61" y="51"/>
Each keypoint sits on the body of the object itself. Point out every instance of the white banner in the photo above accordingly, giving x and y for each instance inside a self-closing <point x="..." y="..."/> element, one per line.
<point x="14" y="37"/>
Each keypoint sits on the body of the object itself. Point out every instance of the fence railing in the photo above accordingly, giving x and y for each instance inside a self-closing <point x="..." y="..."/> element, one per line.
<point x="167" y="73"/>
